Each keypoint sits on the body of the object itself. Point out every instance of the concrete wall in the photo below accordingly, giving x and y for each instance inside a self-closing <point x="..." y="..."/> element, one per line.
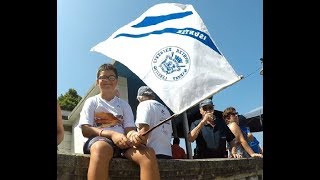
<point x="75" y="167"/>
<point x="123" y="88"/>
<point x="65" y="145"/>
<point x="78" y="138"/>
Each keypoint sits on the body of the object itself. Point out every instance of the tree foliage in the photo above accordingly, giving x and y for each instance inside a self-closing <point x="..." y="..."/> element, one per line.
<point x="69" y="100"/>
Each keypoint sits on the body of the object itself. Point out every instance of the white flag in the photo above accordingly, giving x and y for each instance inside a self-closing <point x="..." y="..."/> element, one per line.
<point x="170" y="49"/>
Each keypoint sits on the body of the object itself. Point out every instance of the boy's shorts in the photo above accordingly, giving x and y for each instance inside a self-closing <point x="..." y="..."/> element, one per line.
<point x="117" y="152"/>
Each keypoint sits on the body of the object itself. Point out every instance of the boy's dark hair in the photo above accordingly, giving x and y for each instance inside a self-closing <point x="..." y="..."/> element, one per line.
<point x="176" y="140"/>
<point x="105" y="67"/>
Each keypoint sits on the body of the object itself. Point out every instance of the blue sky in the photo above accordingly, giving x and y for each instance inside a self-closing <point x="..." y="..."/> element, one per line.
<point x="235" y="27"/>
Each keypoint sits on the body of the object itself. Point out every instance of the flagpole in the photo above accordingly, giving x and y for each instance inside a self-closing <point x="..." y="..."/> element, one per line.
<point x="159" y="124"/>
<point x="185" y="133"/>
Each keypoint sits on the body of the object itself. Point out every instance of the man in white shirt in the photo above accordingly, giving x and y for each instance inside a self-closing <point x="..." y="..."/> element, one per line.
<point x="150" y="113"/>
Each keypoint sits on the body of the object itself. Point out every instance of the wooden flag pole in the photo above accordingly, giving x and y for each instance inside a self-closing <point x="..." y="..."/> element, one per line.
<point x="168" y="119"/>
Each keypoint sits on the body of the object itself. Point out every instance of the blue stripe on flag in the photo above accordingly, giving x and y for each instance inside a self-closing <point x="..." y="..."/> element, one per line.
<point x="196" y="34"/>
<point x="152" y="20"/>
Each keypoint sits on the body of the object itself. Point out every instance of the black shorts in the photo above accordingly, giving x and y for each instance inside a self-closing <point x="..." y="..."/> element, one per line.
<point x="117" y="152"/>
<point x="162" y="156"/>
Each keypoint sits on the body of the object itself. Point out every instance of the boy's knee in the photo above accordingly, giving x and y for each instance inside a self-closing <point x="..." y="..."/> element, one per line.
<point x="150" y="152"/>
<point x="102" y="150"/>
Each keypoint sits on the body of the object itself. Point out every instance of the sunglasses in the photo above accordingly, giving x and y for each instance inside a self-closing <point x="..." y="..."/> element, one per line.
<point x="235" y="114"/>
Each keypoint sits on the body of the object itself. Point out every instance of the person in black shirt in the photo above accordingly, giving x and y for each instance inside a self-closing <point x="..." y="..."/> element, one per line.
<point x="210" y="134"/>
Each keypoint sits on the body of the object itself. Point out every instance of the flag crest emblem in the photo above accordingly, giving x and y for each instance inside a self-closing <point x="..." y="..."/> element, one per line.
<point x="170" y="63"/>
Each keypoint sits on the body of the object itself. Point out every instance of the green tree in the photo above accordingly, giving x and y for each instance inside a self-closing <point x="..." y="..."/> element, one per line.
<point x="69" y="100"/>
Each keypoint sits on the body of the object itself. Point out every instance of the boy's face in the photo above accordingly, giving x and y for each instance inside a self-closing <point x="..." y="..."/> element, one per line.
<point x="233" y="117"/>
<point x="107" y="80"/>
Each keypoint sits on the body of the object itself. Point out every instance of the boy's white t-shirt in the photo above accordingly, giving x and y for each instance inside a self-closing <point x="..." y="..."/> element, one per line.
<point x="118" y="107"/>
<point x="152" y="112"/>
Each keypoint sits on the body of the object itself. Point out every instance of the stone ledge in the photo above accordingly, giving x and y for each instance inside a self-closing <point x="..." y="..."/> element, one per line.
<point x="75" y="166"/>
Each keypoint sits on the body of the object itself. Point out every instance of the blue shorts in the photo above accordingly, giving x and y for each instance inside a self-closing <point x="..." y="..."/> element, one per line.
<point x="117" y="152"/>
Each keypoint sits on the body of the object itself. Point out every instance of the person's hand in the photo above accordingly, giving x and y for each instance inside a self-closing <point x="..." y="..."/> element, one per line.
<point x="256" y="155"/>
<point x="136" y="138"/>
<point x="236" y="155"/>
<point x="121" y="141"/>
<point x="209" y="116"/>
